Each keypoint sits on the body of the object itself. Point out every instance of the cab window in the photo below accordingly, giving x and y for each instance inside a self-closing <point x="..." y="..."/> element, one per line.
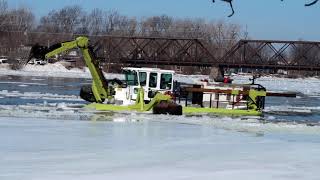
<point x="131" y="78"/>
<point x="166" y="81"/>
<point x="143" y="78"/>
<point x="153" y="80"/>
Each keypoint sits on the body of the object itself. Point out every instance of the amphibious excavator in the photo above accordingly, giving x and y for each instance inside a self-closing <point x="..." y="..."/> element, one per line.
<point x="146" y="89"/>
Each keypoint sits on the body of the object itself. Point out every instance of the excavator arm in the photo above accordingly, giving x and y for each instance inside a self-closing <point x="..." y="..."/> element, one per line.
<point x="99" y="90"/>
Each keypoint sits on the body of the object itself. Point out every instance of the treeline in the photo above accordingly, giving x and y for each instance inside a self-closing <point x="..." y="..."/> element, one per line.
<point x="73" y="19"/>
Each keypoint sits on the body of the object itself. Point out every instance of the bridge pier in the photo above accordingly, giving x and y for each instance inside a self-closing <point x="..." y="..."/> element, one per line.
<point x="216" y="74"/>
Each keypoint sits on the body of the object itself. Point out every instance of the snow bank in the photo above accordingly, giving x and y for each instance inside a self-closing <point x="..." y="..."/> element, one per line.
<point x="52" y="70"/>
<point x="48" y="70"/>
<point x="56" y="67"/>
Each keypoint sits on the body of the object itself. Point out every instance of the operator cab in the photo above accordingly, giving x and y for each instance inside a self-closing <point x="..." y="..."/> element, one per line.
<point x="152" y="80"/>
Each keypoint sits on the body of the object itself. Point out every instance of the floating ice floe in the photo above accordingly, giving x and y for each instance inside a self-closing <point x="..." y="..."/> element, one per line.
<point x="38" y="95"/>
<point x="23" y="83"/>
<point x="307" y="86"/>
<point x="287" y="109"/>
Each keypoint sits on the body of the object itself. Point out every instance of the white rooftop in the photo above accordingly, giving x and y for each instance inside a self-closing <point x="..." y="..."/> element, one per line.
<point x="148" y="70"/>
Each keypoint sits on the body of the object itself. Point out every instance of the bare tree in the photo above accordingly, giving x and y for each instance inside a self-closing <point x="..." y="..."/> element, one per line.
<point x="3" y="7"/>
<point x="111" y="21"/>
<point x="95" y="22"/>
<point x="65" y="20"/>
<point x="21" y="20"/>
<point x="3" y="12"/>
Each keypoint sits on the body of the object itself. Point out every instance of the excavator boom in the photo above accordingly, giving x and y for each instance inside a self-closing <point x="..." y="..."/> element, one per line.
<point x="99" y="89"/>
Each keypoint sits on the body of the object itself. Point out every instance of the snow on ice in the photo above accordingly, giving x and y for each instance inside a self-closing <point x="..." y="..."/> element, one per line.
<point x="60" y="149"/>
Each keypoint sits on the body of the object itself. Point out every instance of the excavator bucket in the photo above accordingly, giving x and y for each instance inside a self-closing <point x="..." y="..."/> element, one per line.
<point x="39" y="52"/>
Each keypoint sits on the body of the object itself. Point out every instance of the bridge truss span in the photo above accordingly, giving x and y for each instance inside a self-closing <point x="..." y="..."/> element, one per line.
<point x="273" y="54"/>
<point x="157" y="51"/>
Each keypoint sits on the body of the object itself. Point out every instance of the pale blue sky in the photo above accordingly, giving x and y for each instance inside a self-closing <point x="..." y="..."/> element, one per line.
<point x="265" y="19"/>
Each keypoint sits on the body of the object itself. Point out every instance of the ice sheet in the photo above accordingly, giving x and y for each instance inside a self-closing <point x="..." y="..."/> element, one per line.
<point x="40" y="149"/>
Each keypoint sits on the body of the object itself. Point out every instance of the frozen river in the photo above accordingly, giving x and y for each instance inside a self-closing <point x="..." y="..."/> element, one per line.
<point x="44" y="136"/>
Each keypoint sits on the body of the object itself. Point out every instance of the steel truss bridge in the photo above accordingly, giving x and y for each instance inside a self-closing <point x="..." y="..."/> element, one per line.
<point x="255" y="54"/>
<point x="139" y="51"/>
